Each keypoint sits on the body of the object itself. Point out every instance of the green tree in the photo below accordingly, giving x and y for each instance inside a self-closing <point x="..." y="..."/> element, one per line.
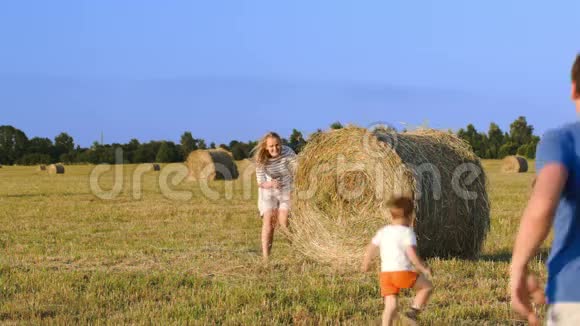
<point x="129" y="150"/>
<point x="520" y="132"/>
<point x="201" y="144"/>
<point x="147" y="152"/>
<point x="478" y="141"/>
<point x="336" y="125"/>
<point x="523" y="150"/>
<point x="63" y="144"/>
<point x="39" y="145"/>
<point x="252" y="144"/>
<point x="529" y="150"/>
<point x="13" y="144"/>
<point x="164" y="154"/>
<point x="188" y="143"/>
<point x="33" y="159"/>
<point x="95" y="145"/>
<point x="296" y="141"/>
<point x="495" y="139"/>
<point x="67" y="157"/>
<point x="64" y="141"/>
<point x="144" y="154"/>
<point x="462" y="133"/>
<point x="97" y="154"/>
<point x="507" y="149"/>
<point x="240" y="150"/>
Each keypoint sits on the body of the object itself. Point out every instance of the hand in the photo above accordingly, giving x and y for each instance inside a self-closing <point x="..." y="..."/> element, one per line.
<point x="538" y="296"/>
<point x="521" y="287"/>
<point x="266" y="185"/>
<point x="274" y="184"/>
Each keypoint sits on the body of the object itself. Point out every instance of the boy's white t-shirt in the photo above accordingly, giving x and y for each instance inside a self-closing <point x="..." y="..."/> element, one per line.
<point x="393" y="241"/>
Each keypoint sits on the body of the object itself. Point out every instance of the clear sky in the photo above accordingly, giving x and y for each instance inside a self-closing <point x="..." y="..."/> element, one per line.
<point x="235" y="69"/>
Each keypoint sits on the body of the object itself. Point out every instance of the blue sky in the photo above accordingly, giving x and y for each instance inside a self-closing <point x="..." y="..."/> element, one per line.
<point x="236" y="69"/>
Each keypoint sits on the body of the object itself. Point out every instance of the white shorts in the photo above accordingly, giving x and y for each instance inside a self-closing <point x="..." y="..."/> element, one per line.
<point x="271" y="199"/>
<point x="562" y="314"/>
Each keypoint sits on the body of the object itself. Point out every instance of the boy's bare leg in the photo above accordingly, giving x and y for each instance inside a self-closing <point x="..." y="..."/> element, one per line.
<point x="424" y="288"/>
<point x="390" y="312"/>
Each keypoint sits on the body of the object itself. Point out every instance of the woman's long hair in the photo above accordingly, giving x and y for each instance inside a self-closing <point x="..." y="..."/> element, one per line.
<point x="261" y="154"/>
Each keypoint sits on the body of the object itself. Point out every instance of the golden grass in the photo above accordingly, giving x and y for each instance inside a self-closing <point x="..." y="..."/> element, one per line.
<point x="67" y="257"/>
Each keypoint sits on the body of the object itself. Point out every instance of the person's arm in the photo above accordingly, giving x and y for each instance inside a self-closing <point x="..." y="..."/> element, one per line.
<point x="539" y="213"/>
<point x="410" y="245"/>
<point x="417" y="262"/>
<point x="371" y="251"/>
<point x="261" y="178"/>
<point x="534" y="228"/>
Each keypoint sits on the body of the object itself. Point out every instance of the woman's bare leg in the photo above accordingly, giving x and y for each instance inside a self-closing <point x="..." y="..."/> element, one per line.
<point x="283" y="220"/>
<point x="267" y="233"/>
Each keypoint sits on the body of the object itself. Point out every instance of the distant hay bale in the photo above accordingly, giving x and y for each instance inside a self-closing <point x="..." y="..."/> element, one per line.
<point x="42" y="167"/>
<point x="156" y="167"/>
<point x="55" y="169"/>
<point x="346" y="176"/>
<point x="211" y="164"/>
<point x="514" y="164"/>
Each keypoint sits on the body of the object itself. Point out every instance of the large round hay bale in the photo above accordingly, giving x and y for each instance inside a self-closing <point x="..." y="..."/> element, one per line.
<point x="55" y="169"/>
<point x="213" y="164"/>
<point x="346" y="177"/>
<point x="514" y="164"/>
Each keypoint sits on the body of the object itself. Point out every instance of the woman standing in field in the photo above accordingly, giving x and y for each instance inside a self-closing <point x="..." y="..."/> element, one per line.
<point x="275" y="166"/>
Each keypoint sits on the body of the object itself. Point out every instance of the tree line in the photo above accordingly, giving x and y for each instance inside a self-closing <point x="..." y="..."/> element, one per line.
<point x="17" y="148"/>
<point x="496" y="144"/>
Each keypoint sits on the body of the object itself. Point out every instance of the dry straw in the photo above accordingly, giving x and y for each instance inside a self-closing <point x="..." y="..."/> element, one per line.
<point x="211" y="164"/>
<point x="345" y="178"/>
<point x="514" y="164"/>
<point x="55" y="169"/>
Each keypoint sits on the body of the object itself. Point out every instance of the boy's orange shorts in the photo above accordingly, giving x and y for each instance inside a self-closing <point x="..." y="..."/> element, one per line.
<point x="393" y="282"/>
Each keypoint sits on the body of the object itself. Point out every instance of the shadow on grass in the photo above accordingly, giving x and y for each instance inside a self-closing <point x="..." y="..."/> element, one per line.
<point x="506" y="256"/>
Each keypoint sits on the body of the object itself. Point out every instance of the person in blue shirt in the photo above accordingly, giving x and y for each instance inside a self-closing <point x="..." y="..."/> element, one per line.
<point x="555" y="200"/>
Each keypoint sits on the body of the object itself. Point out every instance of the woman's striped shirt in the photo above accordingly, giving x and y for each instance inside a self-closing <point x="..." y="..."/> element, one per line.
<point x="281" y="168"/>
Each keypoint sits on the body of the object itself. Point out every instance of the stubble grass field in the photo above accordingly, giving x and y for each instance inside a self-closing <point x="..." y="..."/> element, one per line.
<point x="69" y="257"/>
